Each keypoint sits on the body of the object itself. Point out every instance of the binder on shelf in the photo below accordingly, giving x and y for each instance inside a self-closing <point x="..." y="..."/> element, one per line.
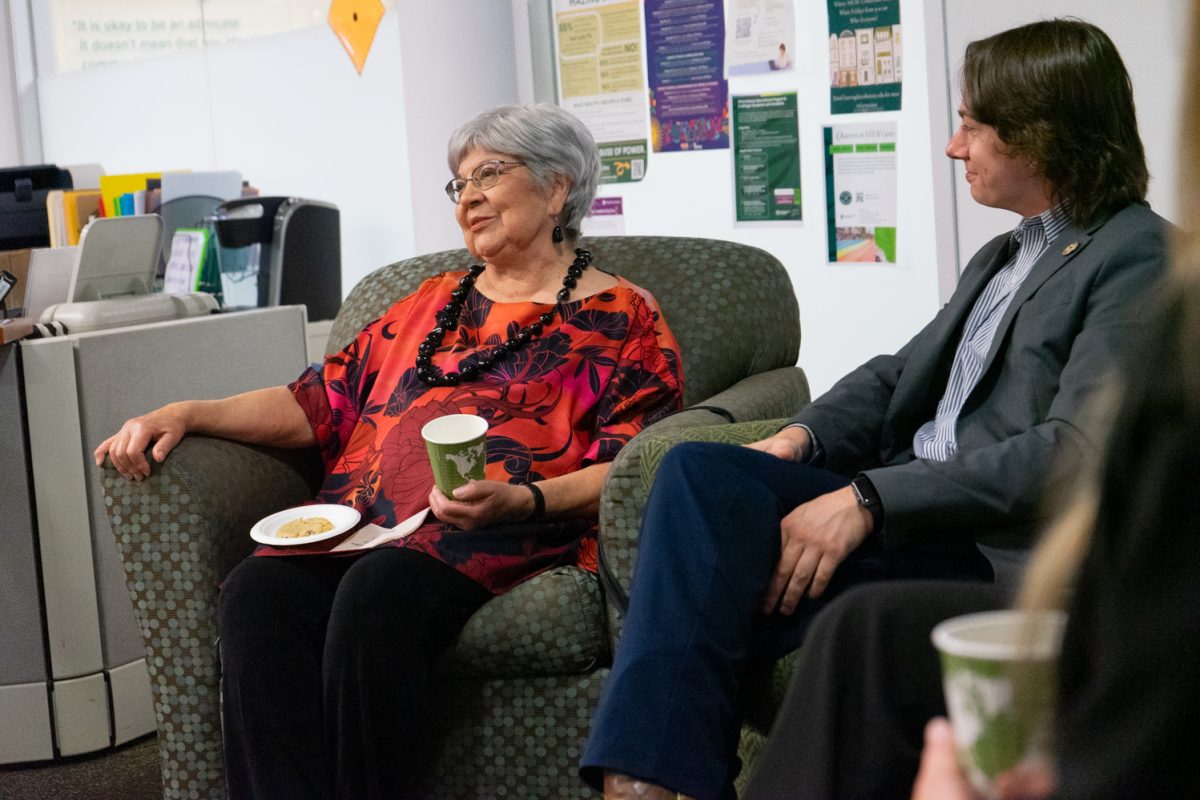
<point x="56" y="217"/>
<point x="112" y="187"/>
<point x="79" y="208"/>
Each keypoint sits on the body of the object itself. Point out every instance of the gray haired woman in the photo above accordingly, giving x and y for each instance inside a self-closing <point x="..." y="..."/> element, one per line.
<point x="329" y="659"/>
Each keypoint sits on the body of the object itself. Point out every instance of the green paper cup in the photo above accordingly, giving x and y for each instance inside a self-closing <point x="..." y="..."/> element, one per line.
<point x="998" y="672"/>
<point x="457" y="445"/>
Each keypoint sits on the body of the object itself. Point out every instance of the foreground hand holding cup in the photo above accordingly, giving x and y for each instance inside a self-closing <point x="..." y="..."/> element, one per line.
<point x="457" y="446"/>
<point x="998" y="675"/>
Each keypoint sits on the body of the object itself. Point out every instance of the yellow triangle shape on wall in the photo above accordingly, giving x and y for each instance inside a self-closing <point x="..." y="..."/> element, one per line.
<point x="355" y="23"/>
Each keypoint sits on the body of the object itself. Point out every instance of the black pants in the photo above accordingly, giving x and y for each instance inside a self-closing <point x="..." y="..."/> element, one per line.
<point x="866" y="682"/>
<point x="327" y="667"/>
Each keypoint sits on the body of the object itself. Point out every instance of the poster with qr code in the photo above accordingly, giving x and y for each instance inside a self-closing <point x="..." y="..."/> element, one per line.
<point x="865" y="57"/>
<point x="861" y="192"/>
<point x="760" y="36"/>
<point x="600" y="80"/>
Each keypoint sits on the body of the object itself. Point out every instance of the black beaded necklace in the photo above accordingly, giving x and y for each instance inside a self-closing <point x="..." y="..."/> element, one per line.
<point x="482" y="360"/>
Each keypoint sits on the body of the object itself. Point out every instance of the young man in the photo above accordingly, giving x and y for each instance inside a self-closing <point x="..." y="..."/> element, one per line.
<point x="928" y="463"/>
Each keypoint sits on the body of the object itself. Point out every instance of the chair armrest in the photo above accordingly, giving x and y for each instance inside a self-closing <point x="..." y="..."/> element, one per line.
<point x="201" y="502"/>
<point x="626" y="489"/>
<point x="179" y="532"/>
<point x="767" y="395"/>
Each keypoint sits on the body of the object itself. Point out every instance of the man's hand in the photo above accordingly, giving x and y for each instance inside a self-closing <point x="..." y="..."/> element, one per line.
<point x="790" y="444"/>
<point x="482" y="503"/>
<point x="817" y="537"/>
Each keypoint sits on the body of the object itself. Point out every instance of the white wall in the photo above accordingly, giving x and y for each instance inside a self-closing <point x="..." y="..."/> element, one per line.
<point x="451" y="73"/>
<point x="288" y="111"/>
<point x="10" y="150"/>
<point x="848" y="312"/>
<point x="20" y="136"/>
<point x="292" y="114"/>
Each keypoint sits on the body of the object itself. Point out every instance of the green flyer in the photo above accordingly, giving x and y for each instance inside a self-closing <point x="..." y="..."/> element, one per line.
<point x="766" y="157"/>
<point x="622" y="162"/>
<point x="865" y="69"/>
<point x="861" y="192"/>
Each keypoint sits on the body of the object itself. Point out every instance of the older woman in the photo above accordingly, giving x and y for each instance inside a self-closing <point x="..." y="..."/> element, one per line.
<point x="327" y="659"/>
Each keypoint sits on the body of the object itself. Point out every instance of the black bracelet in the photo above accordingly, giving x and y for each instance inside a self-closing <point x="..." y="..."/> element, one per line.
<point x="539" y="503"/>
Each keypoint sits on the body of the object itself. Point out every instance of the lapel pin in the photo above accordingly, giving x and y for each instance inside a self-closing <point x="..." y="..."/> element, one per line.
<point x="1071" y="248"/>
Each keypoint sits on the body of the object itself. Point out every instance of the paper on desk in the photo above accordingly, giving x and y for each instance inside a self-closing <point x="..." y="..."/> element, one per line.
<point x="372" y="535"/>
<point x="188" y="248"/>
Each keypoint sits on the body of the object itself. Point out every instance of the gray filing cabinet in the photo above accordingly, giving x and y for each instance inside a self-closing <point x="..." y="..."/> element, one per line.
<point x="72" y="673"/>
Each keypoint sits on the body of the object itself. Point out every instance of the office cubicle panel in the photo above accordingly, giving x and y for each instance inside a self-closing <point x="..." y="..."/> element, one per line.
<point x="22" y="655"/>
<point x="24" y="698"/>
<point x="79" y="389"/>
<point x="128" y="372"/>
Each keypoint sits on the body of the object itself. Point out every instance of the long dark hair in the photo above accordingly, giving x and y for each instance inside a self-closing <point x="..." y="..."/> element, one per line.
<point x="1058" y="94"/>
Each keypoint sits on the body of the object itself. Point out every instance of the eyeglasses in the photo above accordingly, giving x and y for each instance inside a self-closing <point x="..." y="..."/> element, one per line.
<point x="484" y="176"/>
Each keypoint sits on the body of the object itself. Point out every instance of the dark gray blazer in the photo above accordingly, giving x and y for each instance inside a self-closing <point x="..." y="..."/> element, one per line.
<point x="1059" y="336"/>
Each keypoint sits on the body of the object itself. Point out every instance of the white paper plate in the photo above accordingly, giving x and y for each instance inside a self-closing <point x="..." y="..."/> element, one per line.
<point x="343" y="518"/>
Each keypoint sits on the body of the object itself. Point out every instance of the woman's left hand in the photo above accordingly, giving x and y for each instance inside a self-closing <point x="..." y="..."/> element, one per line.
<point x="482" y="503"/>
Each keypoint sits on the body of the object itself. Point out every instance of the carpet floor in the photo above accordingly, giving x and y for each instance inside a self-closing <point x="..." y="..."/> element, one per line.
<point x="128" y="772"/>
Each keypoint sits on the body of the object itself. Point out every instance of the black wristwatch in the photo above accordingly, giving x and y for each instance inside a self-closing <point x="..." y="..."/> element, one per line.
<point x="868" y="498"/>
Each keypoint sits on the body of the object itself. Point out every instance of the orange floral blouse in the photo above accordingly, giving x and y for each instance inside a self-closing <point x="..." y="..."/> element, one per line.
<point x="602" y="370"/>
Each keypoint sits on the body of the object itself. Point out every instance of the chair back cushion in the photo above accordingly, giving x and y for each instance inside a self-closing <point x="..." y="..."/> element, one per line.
<point x="731" y="306"/>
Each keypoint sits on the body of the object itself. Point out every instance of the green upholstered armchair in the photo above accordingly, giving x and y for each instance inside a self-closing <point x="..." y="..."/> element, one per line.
<point x="527" y="671"/>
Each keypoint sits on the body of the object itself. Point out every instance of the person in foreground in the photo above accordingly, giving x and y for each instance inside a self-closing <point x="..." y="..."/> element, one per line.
<point x="1126" y="565"/>
<point x="1121" y="560"/>
<point x="328" y="661"/>
<point x="929" y="463"/>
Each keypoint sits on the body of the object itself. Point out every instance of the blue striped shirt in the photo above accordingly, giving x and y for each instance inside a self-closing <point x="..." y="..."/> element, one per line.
<point x="935" y="439"/>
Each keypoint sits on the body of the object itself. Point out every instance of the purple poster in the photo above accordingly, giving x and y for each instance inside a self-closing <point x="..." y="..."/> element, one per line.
<point x="689" y="97"/>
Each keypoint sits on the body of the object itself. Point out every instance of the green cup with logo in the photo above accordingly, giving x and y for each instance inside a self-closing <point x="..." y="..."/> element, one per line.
<point x="457" y="445"/>
<point x="998" y="672"/>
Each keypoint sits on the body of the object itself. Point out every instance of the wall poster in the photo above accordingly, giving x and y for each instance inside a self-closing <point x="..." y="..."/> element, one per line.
<point x="761" y="36"/>
<point x="864" y="55"/>
<point x="600" y="80"/>
<point x="860" y="192"/>
<point x="685" y="54"/>
<point x="607" y="217"/>
<point x="766" y="157"/>
<point x="86" y="34"/>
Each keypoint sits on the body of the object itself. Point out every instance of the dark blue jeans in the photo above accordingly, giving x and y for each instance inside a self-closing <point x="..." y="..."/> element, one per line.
<point x="708" y="545"/>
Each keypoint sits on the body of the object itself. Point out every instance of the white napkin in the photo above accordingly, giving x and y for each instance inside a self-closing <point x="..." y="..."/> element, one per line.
<point x="372" y="535"/>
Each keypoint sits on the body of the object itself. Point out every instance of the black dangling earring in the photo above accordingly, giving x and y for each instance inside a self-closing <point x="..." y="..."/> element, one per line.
<point x="557" y="234"/>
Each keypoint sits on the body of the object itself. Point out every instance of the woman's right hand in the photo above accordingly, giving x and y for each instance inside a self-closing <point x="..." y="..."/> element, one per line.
<point x="127" y="447"/>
